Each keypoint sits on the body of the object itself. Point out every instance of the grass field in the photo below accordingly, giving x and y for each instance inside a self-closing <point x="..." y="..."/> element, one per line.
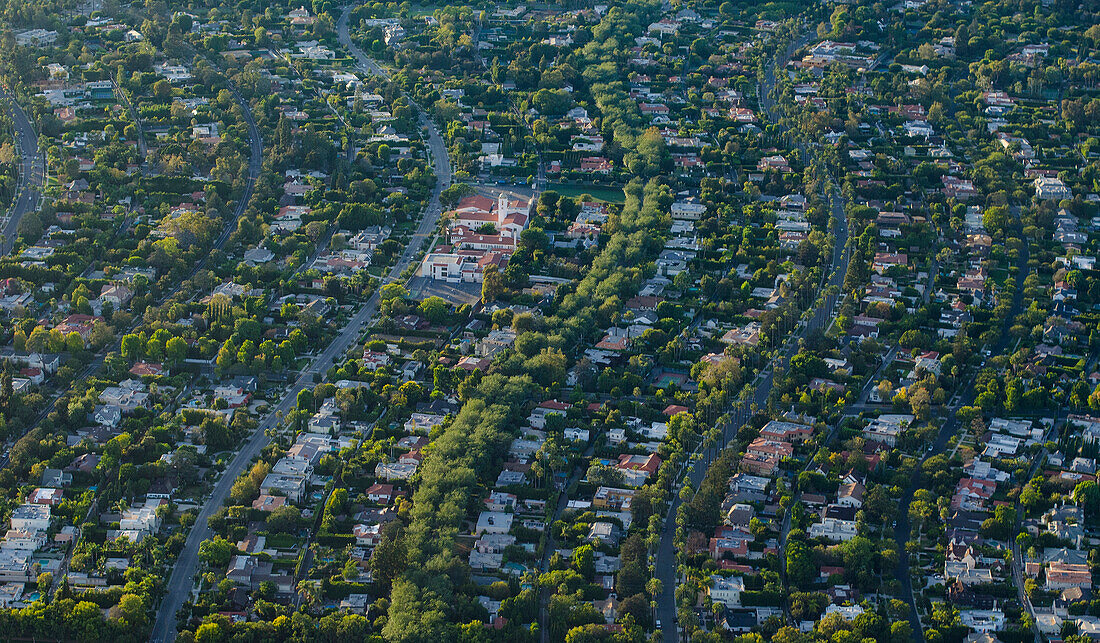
<point x="601" y="193"/>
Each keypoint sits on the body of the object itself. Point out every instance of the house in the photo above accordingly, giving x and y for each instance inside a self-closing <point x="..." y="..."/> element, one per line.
<point x="688" y="209"/>
<point x="1051" y="189"/>
<point x="834" y="530"/>
<point x="604" y="533"/>
<point x="748" y="488"/>
<point x="763" y="447"/>
<point x="786" y="431"/>
<point x="117" y="295"/>
<point x="739" y="621"/>
<point x="290" y="485"/>
<point x="851" y="495"/>
<point x="31" y="517"/>
<point x="885" y="260"/>
<point x="395" y="470"/>
<point x="35" y="37"/>
<point x="374" y="360"/>
<point x="613" y="498"/>
<point x="45" y="496"/>
<point x="637" y="469"/>
<point x="847" y="612"/>
<point x="776" y="162"/>
<point x="126" y="398"/>
<point x="147" y="369"/>
<point x="726" y="590"/>
<point x="24" y="540"/>
<point x="423" y="422"/>
<point x="138" y="522"/>
<point x="367" y="535"/>
<point x="1066" y="575"/>
<point x="488" y="551"/>
<point x="983" y="621"/>
<point x="574" y="434"/>
<point x="493" y="522"/>
<point x="380" y="493"/>
<point x="886" y="428"/>
<point x="730" y="543"/>
<point x="56" y="478"/>
<point x="501" y="501"/>
<point x="268" y="502"/>
<point x="107" y="415"/>
<point x="973" y="494"/>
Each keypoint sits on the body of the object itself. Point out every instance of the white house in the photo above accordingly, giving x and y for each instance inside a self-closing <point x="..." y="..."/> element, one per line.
<point x="493" y="522"/>
<point x="1052" y="189"/>
<point x="726" y="591"/>
<point x="31" y="518"/>
<point x="834" y="530"/>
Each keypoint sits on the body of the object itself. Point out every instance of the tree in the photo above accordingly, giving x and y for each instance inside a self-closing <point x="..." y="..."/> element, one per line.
<point x="175" y="350"/>
<point x="389" y="557"/>
<point x="492" y="285"/>
<point x="584" y="561"/>
<point x="131" y="609"/>
<point x="434" y="309"/>
<point x="636" y="606"/>
<point x="133" y="346"/>
<point x="351" y="570"/>
<point x="1002" y="525"/>
<point x="304" y="401"/>
<point x="74" y="343"/>
<point x="283" y="520"/>
<point x="216" y="552"/>
<point x="800" y="564"/>
<point x="921" y="404"/>
<point x="552" y="102"/>
<point x="788" y="634"/>
<point x="1087" y="495"/>
<point x="901" y="632"/>
<point x="392" y="291"/>
<point x="209" y="632"/>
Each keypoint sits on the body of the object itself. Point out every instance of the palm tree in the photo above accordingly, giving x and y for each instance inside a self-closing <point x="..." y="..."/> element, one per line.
<point x="310" y="592"/>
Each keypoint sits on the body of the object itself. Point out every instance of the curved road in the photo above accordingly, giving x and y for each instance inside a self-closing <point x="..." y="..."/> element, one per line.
<point x="965" y="397"/>
<point x="820" y="318"/>
<point x="180" y="582"/>
<point x="254" y="164"/>
<point x="32" y="174"/>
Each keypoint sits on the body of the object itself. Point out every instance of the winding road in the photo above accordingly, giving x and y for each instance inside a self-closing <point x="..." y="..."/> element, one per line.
<point x="950" y="427"/>
<point x="254" y="165"/>
<point x="819" y="318"/>
<point x="180" y="582"/>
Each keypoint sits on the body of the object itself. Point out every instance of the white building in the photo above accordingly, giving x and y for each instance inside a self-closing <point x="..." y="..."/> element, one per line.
<point x="493" y="522"/>
<point x="834" y="530"/>
<point x="35" y="38"/>
<point x="138" y="522"/>
<point x="848" y="612"/>
<point x="1050" y="188"/>
<point x="31" y="518"/>
<point x="726" y="591"/>
<point x="983" y="620"/>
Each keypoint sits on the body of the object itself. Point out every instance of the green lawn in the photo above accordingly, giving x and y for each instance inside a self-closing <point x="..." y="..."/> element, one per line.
<point x="601" y="193"/>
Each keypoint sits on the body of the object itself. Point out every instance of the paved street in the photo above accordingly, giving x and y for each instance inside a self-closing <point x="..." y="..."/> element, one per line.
<point x="951" y="426"/>
<point x="180" y="583"/>
<point x="32" y="174"/>
<point x="819" y="318"/>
